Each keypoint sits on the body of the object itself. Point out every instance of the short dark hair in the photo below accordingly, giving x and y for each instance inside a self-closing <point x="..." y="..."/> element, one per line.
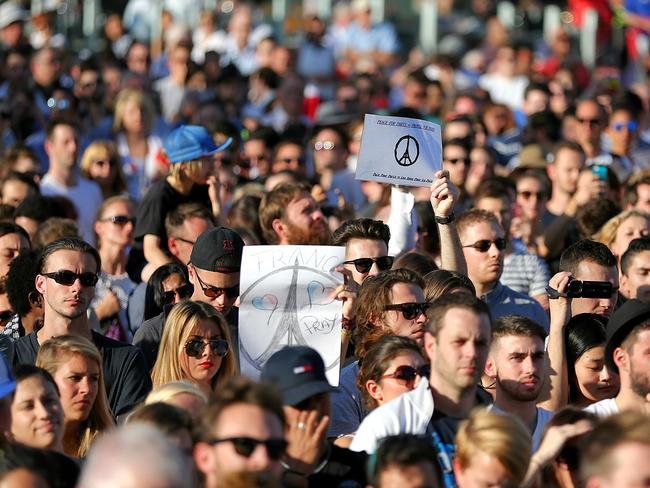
<point x="417" y="262"/>
<point x="631" y="196"/>
<point x="67" y="244"/>
<point x="239" y="389"/>
<point x="174" y="219"/>
<point x="442" y="281"/>
<point x="20" y="282"/>
<point x="54" y="123"/>
<point x="403" y="450"/>
<point x="636" y="246"/>
<point x="26" y="371"/>
<point x="439" y="308"/>
<point x="154" y="297"/>
<point x="494" y="188"/>
<point x="517" y="325"/>
<point x="586" y="250"/>
<point x="594" y="214"/>
<point x="12" y="228"/>
<point x="582" y="333"/>
<point x="537" y="86"/>
<point x="168" y="418"/>
<point x="361" y="229"/>
<point x="567" y="145"/>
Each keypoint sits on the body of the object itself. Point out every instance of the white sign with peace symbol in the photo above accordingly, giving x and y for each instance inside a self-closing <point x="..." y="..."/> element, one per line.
<point x="399" y="150"/>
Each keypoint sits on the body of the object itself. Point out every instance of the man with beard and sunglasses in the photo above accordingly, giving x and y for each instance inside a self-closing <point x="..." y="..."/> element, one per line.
<point x="241" y="430"/>
<point x="484" y="244"/>
<point x="290" y="215"/>
<point x="516" y="365"/>
<point x="213" y="272"/>
<point x="68" y="271"/>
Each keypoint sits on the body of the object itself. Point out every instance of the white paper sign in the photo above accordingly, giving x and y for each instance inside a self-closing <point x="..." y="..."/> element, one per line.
<point x="399" y="151"/>
<point x="288" y="299"/>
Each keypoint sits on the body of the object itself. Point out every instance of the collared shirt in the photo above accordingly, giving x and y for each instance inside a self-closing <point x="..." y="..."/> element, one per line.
<point x="505" y="301"/>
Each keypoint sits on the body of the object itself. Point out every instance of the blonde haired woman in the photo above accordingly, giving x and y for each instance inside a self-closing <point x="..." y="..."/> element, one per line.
<point x="619" y="231"/>
<point x="76" y="365"/>
<point x="101" y="163"/>
<point x="492" y="449"/>
<point x="181" y="394"/>
<point x="133" y="124"/>
<point x="195" y="346"/>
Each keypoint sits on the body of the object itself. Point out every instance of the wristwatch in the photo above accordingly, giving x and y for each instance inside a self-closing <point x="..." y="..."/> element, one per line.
<point x="445" y="220"/>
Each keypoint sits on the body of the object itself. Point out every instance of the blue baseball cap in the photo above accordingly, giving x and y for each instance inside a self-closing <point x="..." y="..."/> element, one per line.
<point x="7" y="381"/>
<point x="190" y="142"/>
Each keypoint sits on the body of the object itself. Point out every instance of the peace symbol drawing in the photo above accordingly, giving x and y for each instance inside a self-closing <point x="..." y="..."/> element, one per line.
<point x="407" y="150"/>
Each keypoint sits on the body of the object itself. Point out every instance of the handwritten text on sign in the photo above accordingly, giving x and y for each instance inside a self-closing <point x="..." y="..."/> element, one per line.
<point x="399" y="150"/>
<point x="288" y="298"/>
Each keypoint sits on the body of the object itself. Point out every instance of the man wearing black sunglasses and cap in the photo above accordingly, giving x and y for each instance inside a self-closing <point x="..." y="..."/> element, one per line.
<point x="67" y="273"/>
<point x="626" y="353"/>
<point x="214" y="274"/>
<point x="310" y="460"/>
<point x="484" y="244"/>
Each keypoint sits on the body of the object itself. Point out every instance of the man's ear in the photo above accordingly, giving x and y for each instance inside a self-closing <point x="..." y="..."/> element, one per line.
<point x="39" y="283"/>
<point x="430" y="345"/>
<point x="624" y="285"/>
<point x="490" y="367"/>
<point x="278" y="227"/>
<point x="621" y="359"/>
<point x="204" y="458"/>
<point x="171" y="245"/>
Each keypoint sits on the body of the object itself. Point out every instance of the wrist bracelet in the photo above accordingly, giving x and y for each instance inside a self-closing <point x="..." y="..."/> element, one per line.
<point x="347" y="324"/>
<point x="445" y="220"/>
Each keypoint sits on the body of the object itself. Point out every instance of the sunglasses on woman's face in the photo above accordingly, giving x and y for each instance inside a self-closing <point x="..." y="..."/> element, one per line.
<point x="363" y="265"/>
<point x="182" y="292"/>
<point x="195" y="347"/>
<point x="120" y="219"/>
<point x="409" y="373"/>
<point x="410" y="311"/>
<point x="245" y="446"/>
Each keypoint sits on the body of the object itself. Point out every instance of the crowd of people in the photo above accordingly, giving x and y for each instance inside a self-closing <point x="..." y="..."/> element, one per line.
<point x="494" y="327"/>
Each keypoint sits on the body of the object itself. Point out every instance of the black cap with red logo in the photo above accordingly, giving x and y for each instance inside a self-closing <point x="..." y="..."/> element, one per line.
<point x="218" y="249"/>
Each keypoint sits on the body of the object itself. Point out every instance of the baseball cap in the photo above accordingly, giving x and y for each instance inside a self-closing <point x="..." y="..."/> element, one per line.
<point x="10" y="13"/>
<point x="218" y="249"/>
<point x="189" y="142"/>
<point x="7" y="381"/>
<point x="625" y="319"/>
<point x="299" y="373"/>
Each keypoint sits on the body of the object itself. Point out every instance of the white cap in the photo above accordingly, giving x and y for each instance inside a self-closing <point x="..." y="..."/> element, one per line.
<point x="10" y="13"/>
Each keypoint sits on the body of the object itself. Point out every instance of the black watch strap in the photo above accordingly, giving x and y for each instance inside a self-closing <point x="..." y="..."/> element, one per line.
<point x="445" y="220"/>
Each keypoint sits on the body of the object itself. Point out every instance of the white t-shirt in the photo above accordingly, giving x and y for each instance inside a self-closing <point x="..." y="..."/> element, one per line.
<point x="604" y="408"/>
<point x="543" y="416"/>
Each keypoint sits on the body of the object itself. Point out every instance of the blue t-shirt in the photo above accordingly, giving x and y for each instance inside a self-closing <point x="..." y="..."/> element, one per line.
<point x="347" y="407"/>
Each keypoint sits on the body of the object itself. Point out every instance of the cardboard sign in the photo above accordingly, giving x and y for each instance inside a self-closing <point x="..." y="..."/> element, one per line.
<point x="399" y="151"/>
<point x="288" y="299"/>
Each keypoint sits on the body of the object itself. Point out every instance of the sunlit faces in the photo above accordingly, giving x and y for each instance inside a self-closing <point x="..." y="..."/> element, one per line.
<point x="78" y="381"/>
<point x="222" y="303"/>
<point x="114" y="232"/>
<point x="36" y="414"/>
<point x="636" y="283"/>
<point x="499" y="207"/>
<point x="631" y="228"/>
<point x="303" y="222"/>
<point x="11" y="245"/>
<point x="390" y="387"/>
<point x="518" y="365"/>
<point x="483" y="268"/>
<point x="62" y="146"/>
<point x="329" y="154"/>
<point x="531" y="197"/>
<point x="484" y="471"/>
<point x="14" y="192"/>
<point x="622" y="131"/>
<point x="643" y="197"/>
<point x="630" y="467"/>
<point x="288" y="156"/>
<point x="589" y="125"/>
<point x="201" y="369"/>
<point x="395" y="320"/>
<point x="590" y="271"/>
<point x="181" y="243"/>
<point x="459" y="352"/>
<point x="456" y="161"/>
<point x="565" y="170"/>
<point x="364" y="248"/>
<point x="593" y="379"/>
<point x="67" y="301"/>
<point x="239" y="420"/>
<point x="639" y="364"/>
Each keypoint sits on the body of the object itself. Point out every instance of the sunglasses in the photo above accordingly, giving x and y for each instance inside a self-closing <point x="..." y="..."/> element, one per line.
<point x="324" y="145"/>
<point x="120" y="219"/>
<point x="245" y="446"/>
<point x="409" y="373"/>
<point x="215" y="291"/>
<point x="591" y="122"/>
<point x="484" y="244"/>
<point x="183" y="291"/>
<point x="363" y="265"/>
<point x="410" y="311"/>
<point x="528" y="194"/>
<point x="195" y="347"/>
<point x="68" y="278"/>
<point x="632" y="126"/>
<point x="454" y="161"/>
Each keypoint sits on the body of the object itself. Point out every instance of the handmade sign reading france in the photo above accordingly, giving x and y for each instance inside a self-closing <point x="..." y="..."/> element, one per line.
<point x="288" y="298"/>
<point x="399" y="150"/>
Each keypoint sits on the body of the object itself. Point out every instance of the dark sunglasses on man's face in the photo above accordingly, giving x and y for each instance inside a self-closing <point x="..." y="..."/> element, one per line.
<point x="183" y="291"/>
<point x="66" y="277"/>
<point x="215" y="291"/>
<point x="245" y="446"/>
<point x="363" y="265"/>
<point x="195" y="347"/>
<point x="410" y="311"/>
<point x="485" y="244"/>
<point x="409" y="373"/>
